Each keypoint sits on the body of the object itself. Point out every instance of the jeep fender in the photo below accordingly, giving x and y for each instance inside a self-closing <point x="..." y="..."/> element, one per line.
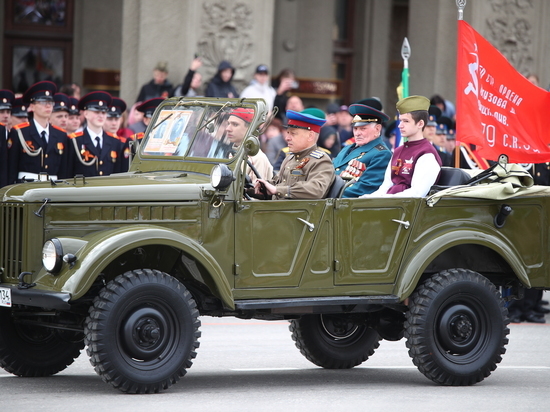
<point x="419" y="258"/>
<point x="103" y="247"/>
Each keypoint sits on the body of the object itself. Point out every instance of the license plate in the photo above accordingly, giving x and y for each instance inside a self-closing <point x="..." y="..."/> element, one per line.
<point x="5" y="297"/>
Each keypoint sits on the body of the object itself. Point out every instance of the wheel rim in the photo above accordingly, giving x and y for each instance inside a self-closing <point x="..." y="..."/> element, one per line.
<point x="340" y="329"/>
<point x="149" y="334"/>
<point x="461" y="330"/>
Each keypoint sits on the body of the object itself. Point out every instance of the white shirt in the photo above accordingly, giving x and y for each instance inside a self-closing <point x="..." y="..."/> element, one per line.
<point x="93" y="135"/>
<point x="424" y="177"/>
<point x="41" y="129"/>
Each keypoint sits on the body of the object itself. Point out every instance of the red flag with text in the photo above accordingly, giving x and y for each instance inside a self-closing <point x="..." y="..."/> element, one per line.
<point x="498" y="109"/>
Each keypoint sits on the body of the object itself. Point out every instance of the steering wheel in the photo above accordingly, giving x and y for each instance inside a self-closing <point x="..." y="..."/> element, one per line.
<point x="248" y="182"/>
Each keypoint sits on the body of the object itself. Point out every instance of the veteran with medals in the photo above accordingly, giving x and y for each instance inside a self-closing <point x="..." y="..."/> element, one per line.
<point x="95" y="152"/>
<point x="37" y="146"/>
<point x="364" y="161"/>
<point x="307" y="172"/>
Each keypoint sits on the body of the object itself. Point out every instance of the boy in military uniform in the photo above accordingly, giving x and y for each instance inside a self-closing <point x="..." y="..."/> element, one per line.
<point x="74" y="123"/>
<point x="366" y="159"/>
<point x="93" y="151"/>
<point x="6" y="100"/>
<point x="307" y="172"/>
<point x="237" y="125"/>
<point x="18" y="112"/>
<point x="414" y="166"/>
<point x="147" y="108"/>
<point x="112" y="126"/>
<point x="60" y="114"/>
<point x="37" y="146"/>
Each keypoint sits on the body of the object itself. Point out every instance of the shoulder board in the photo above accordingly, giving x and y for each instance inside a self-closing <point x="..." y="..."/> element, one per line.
<point x="76" y="134"/>
<point x="317" y="154"/>
<point x="21" y="125"/>
<point x="380" y="147"/>
<point x="58" y="128"/>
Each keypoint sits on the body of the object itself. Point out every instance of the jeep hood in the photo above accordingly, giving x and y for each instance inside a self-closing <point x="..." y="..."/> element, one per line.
<point x="132" y="187"/>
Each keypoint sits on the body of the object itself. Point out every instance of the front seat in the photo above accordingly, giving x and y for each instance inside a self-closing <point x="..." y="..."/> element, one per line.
<point x="336" y="188"/>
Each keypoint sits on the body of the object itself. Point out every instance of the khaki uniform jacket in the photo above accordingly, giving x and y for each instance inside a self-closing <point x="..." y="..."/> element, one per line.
<point x="304" y="175"/>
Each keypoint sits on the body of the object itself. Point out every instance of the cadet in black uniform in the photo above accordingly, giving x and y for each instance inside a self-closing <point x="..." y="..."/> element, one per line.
<point x="6" y="100"/>
<point x="37" y="146"/>
<point x="93" y="151"/>
<point x="147" y="108"/>
<point x="112" y="126"/>
<point x="18" y="112"/>
<point x="60" y="113"/>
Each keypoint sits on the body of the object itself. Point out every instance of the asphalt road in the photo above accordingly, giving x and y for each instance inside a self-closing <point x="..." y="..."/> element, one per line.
<point x="254" y="366"/>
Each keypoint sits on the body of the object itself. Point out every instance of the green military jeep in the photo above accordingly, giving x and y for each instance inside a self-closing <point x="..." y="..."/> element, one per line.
<point x="126" y="264"/>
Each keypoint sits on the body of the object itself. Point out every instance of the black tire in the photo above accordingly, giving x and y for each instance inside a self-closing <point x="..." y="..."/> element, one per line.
<point x="34" y="351"/>
<point x="334" y="341"/>
<point x="456" y="327"/>
<point x="142" y="331"/>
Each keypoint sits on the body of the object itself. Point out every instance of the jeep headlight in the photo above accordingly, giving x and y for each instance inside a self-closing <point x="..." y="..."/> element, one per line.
<point x="52" y="255"/>
<point x="221" y="177"/>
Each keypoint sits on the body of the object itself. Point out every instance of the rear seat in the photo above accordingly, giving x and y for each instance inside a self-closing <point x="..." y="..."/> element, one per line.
<point x="450" y="176"/>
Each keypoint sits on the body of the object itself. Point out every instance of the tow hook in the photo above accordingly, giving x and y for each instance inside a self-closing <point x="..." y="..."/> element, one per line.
<point x="22" y="284"/>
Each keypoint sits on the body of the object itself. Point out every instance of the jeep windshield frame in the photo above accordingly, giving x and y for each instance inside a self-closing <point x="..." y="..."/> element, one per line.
<point x="185" y="132"/>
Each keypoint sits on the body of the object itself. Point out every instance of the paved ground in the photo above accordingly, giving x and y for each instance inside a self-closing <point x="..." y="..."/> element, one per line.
<point x="254" y="366"/>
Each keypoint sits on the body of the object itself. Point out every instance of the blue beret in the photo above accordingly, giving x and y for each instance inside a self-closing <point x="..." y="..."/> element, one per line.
<point x="304" y="121"/>
<point x="363" y="115"/>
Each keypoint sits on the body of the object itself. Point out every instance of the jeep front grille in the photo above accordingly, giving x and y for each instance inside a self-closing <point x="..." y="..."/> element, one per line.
<point x="11" y="232"/>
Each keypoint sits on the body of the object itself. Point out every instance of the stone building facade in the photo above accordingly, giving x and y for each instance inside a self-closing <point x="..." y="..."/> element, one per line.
<point x="345" y="50"/>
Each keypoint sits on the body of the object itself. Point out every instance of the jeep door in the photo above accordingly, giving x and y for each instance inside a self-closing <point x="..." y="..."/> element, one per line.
<point x="369" y="239"/>
<point x="283" y="243"/>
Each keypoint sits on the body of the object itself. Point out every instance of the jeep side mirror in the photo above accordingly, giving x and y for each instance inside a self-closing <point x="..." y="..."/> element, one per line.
<point x="252" y="146"/>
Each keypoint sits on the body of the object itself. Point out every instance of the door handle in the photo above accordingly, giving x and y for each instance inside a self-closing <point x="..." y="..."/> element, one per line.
<point x="405" y="223"/>
<point x="310" y="226"/>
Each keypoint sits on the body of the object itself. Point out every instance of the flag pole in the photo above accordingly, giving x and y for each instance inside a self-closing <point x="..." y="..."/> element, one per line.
<point x="461" y="4"/>
<point x="405" y="54"/>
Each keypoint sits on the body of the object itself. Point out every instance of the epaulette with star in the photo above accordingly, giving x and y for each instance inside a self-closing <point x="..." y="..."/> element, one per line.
<point x="76" y="134"/>
<point x="317" y="154"/>
<point x="21" y="125"/>
<point x="58" y="128"/>
<point x="381" y="147"/>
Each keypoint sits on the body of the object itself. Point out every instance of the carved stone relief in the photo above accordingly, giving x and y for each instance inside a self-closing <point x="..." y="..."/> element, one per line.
<point x="226" y="35"/>
<point x="510" y="30"/>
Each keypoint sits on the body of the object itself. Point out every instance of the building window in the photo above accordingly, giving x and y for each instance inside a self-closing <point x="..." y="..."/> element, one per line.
<point x="38" y="40"/>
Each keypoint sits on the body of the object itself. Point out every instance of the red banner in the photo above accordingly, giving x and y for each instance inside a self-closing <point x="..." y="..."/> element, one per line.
<point x="498" y="109"/>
